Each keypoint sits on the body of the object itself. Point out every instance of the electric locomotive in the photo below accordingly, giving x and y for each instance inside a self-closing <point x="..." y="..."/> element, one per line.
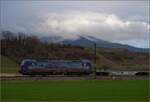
<point x="53" y="67"/>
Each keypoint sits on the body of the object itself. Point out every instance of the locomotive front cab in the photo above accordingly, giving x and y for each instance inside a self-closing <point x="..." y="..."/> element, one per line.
<point x="88" y="66"/>
<point x="27" y="65"/>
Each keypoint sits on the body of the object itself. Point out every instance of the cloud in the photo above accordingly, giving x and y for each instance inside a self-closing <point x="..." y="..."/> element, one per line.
<point x="105" y="26"/>
<point x="115" y="21"/>
<point x="140" y="43"/>
<point x="69" y="24"/>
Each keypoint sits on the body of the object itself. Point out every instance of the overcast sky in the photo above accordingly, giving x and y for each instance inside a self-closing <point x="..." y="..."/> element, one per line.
<point x="116" y="21"/>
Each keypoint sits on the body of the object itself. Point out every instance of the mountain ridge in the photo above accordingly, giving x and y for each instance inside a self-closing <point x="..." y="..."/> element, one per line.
<point x="88" y="41"/>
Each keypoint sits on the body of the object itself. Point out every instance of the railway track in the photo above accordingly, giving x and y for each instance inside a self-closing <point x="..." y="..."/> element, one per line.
<point x="50" y="77"/>
<point x="64" y="77"/>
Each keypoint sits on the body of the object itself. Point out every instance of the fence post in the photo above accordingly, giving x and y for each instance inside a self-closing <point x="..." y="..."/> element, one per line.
<point x="95" y="60"/>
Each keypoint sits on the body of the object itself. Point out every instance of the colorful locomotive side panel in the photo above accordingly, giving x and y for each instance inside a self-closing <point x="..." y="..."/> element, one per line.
<point x="40" y="68"/>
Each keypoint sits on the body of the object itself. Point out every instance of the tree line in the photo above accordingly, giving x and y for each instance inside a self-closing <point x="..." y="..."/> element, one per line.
<point x="19" y="46"/>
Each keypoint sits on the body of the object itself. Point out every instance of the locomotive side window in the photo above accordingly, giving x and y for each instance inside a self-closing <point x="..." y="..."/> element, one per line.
<point x="41" y="64"/>
<point x="75" y="64"/>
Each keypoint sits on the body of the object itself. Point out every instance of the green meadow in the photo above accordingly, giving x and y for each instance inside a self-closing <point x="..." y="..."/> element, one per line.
<point x="75" y="90"/>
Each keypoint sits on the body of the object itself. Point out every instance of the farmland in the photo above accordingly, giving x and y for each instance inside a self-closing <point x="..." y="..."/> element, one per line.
<point x="75" y="90"/>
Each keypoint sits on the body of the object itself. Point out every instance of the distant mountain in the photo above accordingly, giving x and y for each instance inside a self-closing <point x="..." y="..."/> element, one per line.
<point x="88" y="41"/>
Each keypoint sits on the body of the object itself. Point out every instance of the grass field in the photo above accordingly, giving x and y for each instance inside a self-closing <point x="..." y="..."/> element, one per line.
<point x="8" y="65"/>
<point x="77" y="90"/>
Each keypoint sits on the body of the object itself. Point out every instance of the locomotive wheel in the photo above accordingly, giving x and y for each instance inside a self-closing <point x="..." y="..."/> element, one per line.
<point x="32" y="75"/>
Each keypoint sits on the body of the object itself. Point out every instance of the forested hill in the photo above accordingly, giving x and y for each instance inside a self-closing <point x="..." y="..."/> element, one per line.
<point x="20" y="46"/>
<point x="17" y="46"/>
